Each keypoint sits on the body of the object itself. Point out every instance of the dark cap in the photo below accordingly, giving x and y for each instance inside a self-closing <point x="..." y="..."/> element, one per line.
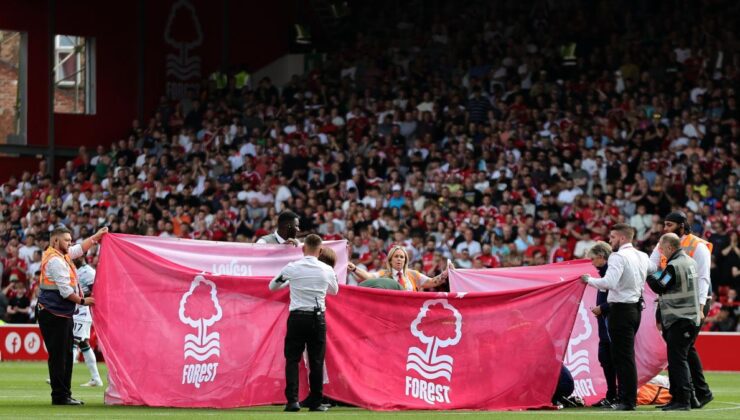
<point x="676" y="217"/>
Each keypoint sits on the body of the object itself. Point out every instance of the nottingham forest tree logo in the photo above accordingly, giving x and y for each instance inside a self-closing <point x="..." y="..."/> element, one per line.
<point x="200" y="309"/>
<point x="182" y="32"/>
<point x="577" y="355"/>
<point x="438" y="325"/>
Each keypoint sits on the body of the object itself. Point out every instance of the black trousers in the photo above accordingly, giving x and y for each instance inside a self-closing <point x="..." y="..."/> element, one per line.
<point x="57" y="333"/>
<point x="624" y="320"/>
<point x="701" y="388"/>
<point x="305" y="330"/>
<point x="610" y="374"/>
<point x="679" y="337"/>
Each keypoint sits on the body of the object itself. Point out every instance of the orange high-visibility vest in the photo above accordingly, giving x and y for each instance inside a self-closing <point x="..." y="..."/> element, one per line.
<point x="650" y="394"/>
<point x="411" y="275"/>
<point x="45" y="283"/>
<point x="688" y="244"/>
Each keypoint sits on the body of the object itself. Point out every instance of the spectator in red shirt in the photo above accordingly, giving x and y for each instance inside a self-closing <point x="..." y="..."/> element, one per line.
<point x="487" y="259"/>
<point x="562" y="252"/>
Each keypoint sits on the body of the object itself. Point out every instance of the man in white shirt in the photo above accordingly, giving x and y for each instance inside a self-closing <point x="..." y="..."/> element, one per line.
<point x="26" y="251"/>
<point x="624" y="279"/>
<point x="309" y="280"/>
<point x="642" y="222"/>
<point x="698" y="249"/>
<point x="469" y="244"/>
<point x="584" y="244"/>
<point x="569" y="194"/>
<point x="288" y="228"/>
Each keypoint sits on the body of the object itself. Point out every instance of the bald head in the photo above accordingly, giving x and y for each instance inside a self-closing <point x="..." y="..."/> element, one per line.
<point x="669" y="244"/>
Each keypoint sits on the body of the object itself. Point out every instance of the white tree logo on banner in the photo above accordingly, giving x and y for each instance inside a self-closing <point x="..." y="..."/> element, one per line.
<point x="436" y="330"/>
<point x="577" y="361"/>
<point x="200" y="315"/>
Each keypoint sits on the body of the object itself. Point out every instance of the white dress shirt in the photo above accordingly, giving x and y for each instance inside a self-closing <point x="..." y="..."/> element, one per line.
<point x="58" y="270"/>
<point x="277" y="236"/>
<point x="703" y="259"/>
<point x="309" y="280"/>
<point x="625" y="277"/>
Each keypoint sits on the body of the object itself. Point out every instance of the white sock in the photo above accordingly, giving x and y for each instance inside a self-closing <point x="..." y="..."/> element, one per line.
<point x="90" y="361"/>
<point x="75" y="353"/>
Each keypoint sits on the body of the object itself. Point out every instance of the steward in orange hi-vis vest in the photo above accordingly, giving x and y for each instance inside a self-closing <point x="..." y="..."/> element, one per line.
<point x="688" y="244"/>
<point x="59" y="296"/>
<point x="52" y="300"/>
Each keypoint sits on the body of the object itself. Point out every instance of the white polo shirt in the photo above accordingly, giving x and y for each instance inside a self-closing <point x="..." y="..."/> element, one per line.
<point x="625" y="277"/>
<point x="309" y="280"/>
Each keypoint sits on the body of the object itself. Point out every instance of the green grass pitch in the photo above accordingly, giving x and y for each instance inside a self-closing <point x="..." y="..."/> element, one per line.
<point x="24" y="394"/>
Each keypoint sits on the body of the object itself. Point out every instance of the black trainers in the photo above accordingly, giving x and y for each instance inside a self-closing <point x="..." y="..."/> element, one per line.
<point x="623" y="407"/>
<point x="678" y="407"/>
<point x="603" y="403"/>
<point x="68" y="401"/>
<point x="706" y="400"/>
<point x="292" y="407"/>
<point x="660" y="407"/>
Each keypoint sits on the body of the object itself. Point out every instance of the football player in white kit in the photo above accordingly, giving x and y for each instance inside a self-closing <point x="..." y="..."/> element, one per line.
<point x="83" y="322"/>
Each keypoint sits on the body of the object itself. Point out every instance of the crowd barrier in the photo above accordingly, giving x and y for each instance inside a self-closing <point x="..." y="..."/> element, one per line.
<point x="718" y="351"/>
<point x="21" y="342"/>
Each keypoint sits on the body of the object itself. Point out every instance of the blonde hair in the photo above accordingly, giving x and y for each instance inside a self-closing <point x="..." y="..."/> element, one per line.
<point x="328" y="256"/>
<point x="389" y="257"/>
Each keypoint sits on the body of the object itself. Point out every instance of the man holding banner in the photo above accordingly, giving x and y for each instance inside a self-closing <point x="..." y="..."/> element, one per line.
<point x="624" y="279"/>
<point x="60" y="294"/>
<point x="309" y="280"/>
<point x="286" y="232"/>
<point x="599" y="255"/>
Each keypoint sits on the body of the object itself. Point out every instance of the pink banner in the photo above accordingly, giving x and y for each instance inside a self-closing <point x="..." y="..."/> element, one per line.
<point x="232" y="258"/>
<point x="582" y="355"/>
<point x="173" y="336"/>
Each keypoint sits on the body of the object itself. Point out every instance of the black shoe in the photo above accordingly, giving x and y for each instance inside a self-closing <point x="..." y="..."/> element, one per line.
<point x="320" y="407"/>
<point x="292" y="407"/>
<point x="623" y="407"/>
<point x="68" y="401"/>
<point x="678" y="407"/>
<point x="664" y="405"/>
<point x="310" y="402"/>
<point x="694" y="403"/>
<point x="603" y="403"/>
<point x="706" y="400"/>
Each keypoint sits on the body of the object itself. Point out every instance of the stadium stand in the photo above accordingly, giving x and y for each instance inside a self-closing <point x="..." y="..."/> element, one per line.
<point x="470" y="132"/>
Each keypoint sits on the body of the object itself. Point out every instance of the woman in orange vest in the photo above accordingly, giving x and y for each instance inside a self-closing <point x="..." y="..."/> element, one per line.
<point x="701" y="251"/>
<point x="396" y="268"/>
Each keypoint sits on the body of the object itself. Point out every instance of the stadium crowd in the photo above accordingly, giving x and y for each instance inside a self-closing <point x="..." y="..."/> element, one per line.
<point x="490" y="136"/>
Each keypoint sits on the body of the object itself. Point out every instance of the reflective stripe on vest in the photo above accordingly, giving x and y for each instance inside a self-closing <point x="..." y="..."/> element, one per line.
<point x="688" y="244"/>
<point x="45" y="283"/>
